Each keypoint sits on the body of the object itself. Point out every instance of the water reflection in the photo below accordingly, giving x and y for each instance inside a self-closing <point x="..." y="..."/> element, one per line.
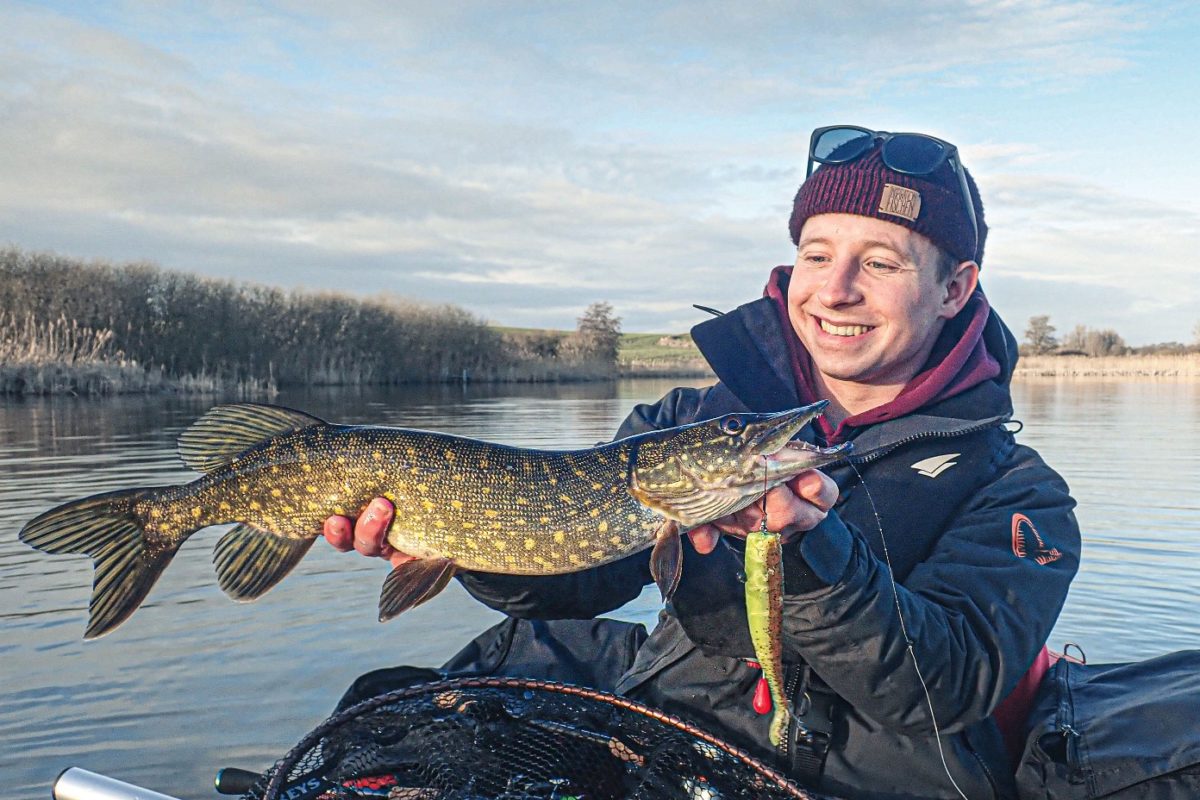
<point x="194" y="681"/>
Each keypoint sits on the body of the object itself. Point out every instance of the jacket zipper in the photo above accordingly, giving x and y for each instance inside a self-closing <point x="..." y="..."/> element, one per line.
<point x="879" y="453"/>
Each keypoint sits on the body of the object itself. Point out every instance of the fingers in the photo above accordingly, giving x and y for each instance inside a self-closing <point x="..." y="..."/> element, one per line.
<point x="816" y="487"/>
<point x="366" y="535"/>
<point x="370" y="529"/>
<point x="793" y="508"/>
<point x="704" y="538"/>
<point x="339" y="532"/>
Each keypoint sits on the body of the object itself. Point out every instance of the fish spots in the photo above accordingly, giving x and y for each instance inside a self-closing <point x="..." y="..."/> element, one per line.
<point x="583" y="544"/>
<point x="499" y="544"/>
<point x="616" y="541"/>
<point x="156" y="513"/>
<point x="377" y="456"/>
<point x="565" y="499"/>
<point x="437" y="523"/>
<point x="596" y="487"/>
<point x="310" y="489"/>
<point x="423" y="488"/>
<point x="483" y="463"/>
<point x="530" y="544"/>
<point x="468" y="526"/>
<point x="603" y="526"/>
<point x="381" y="474"/>
<point x="490" y="513"/>
<point x="449" y="454"/>
<point x="457" y="504"/>
<point x="553" y="481"/>
<point x="521" y="501"/>
<point x="196" y="512"/>
<point x="519" y="521"/>
<point x="428" y="505"/>
<point x="306" y="467"/>
<point x="559" y="537"/>
<point x="595" y="512"/>
<point x="486" y="489"/>
<point x="254" y="506"/>
<point x="275" y="492"/>
<point x="341" y="459"/>
<point x="544" y="520"/>
<point x="631" y="517"/>
<point x="574" y="558"/>
<point x="597" y="555"/>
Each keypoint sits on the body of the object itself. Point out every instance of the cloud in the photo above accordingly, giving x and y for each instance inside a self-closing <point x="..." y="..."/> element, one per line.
<point x="521" y="161"/>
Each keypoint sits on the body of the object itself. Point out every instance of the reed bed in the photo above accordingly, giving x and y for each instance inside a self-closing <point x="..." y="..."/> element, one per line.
<point x="1181" y="366"/>
<point x="61" y="317"/>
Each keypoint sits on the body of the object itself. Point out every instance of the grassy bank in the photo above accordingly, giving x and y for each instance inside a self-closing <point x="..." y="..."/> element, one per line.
<point x="1133" y="367"/>
<point x="655" y="355"/>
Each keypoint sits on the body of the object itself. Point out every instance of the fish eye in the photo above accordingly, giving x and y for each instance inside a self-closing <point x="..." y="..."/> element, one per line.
<point x="732" y="425"/>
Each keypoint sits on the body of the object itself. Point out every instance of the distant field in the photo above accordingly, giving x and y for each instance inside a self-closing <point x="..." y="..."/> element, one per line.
<point x="649" y="354"/>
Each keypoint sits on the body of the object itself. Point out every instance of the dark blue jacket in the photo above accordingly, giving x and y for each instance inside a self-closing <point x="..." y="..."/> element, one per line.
<point x="981" y="552"/>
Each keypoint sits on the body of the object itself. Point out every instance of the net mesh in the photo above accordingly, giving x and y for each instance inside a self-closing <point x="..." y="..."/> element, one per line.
<point x="513" y="739"/>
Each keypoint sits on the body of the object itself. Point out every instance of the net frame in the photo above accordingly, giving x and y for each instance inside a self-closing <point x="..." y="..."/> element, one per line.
<point x="282" y="768"/>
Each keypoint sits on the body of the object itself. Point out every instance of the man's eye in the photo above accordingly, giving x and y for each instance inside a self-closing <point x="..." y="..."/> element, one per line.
<point x="815" y="260"/>
<point x="882" y="266"/>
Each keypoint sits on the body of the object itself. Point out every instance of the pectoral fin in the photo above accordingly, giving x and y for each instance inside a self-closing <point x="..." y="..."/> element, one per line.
<point x="250" y="560"/>
<point x="412" y="583"/>
<point x="666" y="559"/>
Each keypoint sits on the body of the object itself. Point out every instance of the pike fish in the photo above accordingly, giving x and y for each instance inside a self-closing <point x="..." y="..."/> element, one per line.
<point x="461" y="503"/>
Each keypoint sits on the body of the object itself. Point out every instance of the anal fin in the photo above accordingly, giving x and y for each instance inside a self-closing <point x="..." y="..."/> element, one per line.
<point x="250" y="560"/>
<point x="412" y="583"/>
<point x="666" y="559"/>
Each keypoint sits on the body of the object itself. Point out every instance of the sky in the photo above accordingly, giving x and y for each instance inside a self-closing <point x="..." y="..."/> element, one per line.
<point x="523" y="160"/>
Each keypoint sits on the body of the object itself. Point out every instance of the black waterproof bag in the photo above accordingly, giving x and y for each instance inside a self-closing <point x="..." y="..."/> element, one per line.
<point x="1115" y="731"/>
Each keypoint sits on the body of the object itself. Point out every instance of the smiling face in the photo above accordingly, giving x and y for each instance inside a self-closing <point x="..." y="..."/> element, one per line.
<point x="867" y="302"/>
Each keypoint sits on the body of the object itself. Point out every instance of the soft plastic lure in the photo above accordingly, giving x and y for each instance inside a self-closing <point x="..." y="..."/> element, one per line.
<point x="764" y="609"/>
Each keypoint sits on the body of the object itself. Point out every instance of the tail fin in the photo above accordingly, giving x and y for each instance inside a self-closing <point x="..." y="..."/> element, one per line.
<point x="128" y="559"/>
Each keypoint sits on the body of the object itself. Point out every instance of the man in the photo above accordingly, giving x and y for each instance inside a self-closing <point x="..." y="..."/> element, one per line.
<point x="921" y="581"/>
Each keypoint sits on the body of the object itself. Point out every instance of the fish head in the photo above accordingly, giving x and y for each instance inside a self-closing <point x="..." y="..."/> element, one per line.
<point x="703" y="471"/>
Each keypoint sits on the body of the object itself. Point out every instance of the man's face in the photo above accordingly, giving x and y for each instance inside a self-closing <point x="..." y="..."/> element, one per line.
<point x="866" y="302"/>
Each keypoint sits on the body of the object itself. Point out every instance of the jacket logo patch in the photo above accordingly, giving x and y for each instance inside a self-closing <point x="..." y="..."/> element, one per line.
<point x="1027" y="542"/>
<point x="935" y="465"/>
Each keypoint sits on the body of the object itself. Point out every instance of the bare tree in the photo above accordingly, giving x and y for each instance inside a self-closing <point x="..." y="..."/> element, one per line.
<point x="1040" y="335"/>
<point x="598" y="335"/>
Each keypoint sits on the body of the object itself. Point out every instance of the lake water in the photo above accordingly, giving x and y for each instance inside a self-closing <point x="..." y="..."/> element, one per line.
<point x="193" y="682"/>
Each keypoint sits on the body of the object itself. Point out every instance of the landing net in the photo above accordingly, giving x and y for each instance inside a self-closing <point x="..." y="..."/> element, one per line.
<point x="514" y="739"/>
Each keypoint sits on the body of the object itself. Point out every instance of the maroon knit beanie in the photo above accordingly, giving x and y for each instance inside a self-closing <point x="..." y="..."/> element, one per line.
<point x="931" y="205"/>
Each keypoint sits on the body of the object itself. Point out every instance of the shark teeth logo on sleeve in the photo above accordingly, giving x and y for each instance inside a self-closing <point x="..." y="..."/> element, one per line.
<point x="935" y="465"/>
<point x="1028" y="543"/>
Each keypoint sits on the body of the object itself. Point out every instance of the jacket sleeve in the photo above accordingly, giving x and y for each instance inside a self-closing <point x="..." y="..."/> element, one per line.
<point x="974" y="610"/>
<point x="582" y="595"/>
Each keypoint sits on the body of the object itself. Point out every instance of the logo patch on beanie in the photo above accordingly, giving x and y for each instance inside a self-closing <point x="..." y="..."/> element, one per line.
<point x="900" y="202"/>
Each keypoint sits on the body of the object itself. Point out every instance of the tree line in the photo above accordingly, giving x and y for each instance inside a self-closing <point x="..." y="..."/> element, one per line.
<point x="1040" y="339"/>
<point x="187" y="325"/>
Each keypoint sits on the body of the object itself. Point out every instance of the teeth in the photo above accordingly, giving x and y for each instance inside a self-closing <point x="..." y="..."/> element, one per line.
<point x="844" y="330"/>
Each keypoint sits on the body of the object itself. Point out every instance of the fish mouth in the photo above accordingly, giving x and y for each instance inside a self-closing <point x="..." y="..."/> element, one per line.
<point x="784" y="426"/>
<point x="785" y="456"/>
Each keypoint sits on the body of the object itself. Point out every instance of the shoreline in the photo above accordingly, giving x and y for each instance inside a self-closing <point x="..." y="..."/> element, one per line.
<point x="105" y="379"/>
<point x="1184" y="367"/>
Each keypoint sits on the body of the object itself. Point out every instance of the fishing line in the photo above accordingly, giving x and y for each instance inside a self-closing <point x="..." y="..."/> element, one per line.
<point x="937" y="733"/>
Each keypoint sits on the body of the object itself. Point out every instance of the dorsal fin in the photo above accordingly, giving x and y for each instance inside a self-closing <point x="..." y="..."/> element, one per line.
<point x="226" y="432"/>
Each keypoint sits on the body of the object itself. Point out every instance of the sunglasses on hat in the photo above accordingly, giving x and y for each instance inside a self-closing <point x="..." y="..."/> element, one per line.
<point x="907" y="153"/>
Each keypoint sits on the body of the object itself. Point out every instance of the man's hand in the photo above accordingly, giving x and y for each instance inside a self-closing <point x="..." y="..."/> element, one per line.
<point x="794" y="507"/>
<point x="367" y="534"/>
